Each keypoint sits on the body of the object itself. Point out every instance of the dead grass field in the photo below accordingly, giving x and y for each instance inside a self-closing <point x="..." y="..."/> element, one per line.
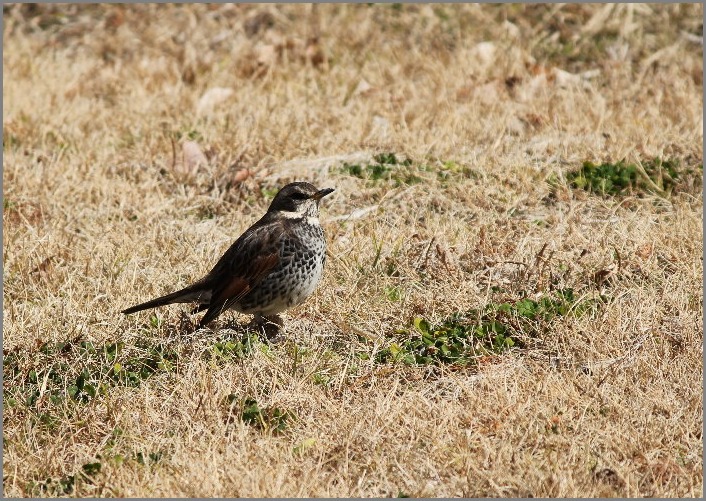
<point x="486" y="326"/>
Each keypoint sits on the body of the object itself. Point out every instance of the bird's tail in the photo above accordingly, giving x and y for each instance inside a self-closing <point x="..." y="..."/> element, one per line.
<point x="187" y="295"/>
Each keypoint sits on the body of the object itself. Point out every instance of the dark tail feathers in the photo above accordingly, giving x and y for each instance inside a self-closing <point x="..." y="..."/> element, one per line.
<point x="186" y="295"/>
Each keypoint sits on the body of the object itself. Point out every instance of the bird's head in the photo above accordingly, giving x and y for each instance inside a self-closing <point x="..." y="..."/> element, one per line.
<point x="298" y="200"/>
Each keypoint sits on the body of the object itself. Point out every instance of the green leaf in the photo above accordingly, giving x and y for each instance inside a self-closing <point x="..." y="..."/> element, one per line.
<point x="91" y="469"/>
<point x="526" y="308"/>
<point x="90" y="390"/>
<point x="421" y="325"/>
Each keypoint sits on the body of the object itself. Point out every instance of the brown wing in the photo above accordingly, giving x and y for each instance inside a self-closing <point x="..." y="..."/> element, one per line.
<point x="248" y="261"/>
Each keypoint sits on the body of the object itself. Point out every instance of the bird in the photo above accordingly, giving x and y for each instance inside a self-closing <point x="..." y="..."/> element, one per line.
<point x="274" y="265"/>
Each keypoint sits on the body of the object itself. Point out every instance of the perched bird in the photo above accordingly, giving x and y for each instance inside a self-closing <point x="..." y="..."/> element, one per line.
<point x="274" y="265"/>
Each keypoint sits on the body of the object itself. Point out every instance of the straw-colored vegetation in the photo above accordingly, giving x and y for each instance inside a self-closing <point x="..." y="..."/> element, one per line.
<point x="512" y="303"/>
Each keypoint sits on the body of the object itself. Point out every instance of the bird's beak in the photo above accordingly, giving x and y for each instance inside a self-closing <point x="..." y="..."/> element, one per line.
<point x="322" y="193"/>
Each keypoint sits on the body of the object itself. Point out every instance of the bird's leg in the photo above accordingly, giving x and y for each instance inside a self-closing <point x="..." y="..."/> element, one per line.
<point x="271" y="325"/>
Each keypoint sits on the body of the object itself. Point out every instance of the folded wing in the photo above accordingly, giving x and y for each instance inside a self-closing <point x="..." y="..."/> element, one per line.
<point x="248" y="261"/>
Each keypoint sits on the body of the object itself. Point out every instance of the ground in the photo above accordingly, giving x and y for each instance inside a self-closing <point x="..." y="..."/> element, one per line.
<point x="512" y="301"/>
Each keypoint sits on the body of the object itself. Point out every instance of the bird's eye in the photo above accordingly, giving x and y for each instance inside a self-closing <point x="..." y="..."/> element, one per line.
<point x="299" y="196"/>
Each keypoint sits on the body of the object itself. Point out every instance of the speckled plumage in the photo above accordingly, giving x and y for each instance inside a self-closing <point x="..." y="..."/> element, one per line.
<point x="302" y="256"/>
<point x="275" y="265"/>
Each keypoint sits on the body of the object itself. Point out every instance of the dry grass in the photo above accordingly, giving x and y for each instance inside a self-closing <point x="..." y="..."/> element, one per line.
<point x="101" y="212"/>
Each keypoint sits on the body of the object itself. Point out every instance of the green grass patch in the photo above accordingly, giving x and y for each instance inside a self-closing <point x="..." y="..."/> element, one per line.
<point x="52" y="487"/>
<point x="234" y="349"/>
<point x="462" y="337"/>
<point x="385" y="167"/>
<point x="393" y="293"/>
<point x="69" y="485"/>
<point x="65" y="485"/>
<point x="450" y="170"/>
<point x="79" y="371"/>
<point x="622" y="178"/>
<point x="267" y="419"/>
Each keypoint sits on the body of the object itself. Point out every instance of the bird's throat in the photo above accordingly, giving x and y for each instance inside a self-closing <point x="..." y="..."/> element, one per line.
<point x="299" y="216"/>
